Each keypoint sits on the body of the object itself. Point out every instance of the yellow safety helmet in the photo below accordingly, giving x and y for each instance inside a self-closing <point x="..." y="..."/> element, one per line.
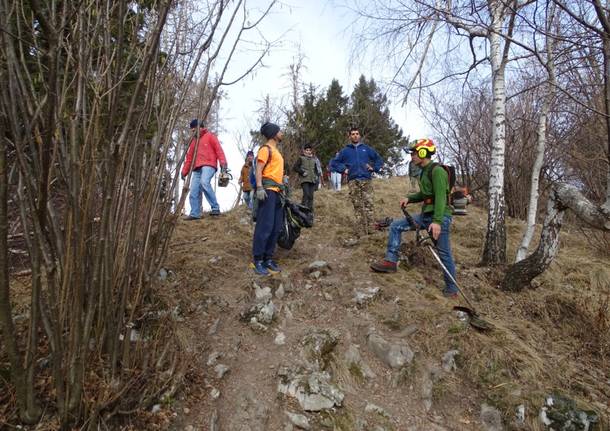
<point x="423" y="147"/>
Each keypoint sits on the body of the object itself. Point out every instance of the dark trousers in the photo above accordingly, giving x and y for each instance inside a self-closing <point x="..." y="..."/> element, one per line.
<point x="269" y="219"/>
<point x="308" y="191"/>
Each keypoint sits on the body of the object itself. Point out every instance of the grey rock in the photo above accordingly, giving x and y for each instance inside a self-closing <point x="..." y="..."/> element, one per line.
<point x="221" y="370"/>
<point x="264" y="312"/>
<point x="353" y="358"/>
<point x="317" y="346"/>
<point x="314" y="390"/>
<point x="156" y="408"/>
<point x="315" y="275"/>
<point x="213" y="358"/>
<point x="214" y="327"/>
<point x="163" y="274"/>
<point x="562" y="413"/>
<point x="448" y="361"/>
<point x="430" y="375"/>
<point x="257" y="327"/>
<point x="262" y="294"/>
<point x="280" y="339"/>
<point x="280" y="292"/>
<point x="328" y="296"/>
<point x="520" y="414"/>
<point x="365" y="296"/>
<point x="189" y="428"/>
<point x="215" y="393"/>
<point x="491" y="418"/>
<point x="299" y="421"/>
<point x="394" y="355"/>
<point x="319" y="265"/>
<point x="250" y="413"/>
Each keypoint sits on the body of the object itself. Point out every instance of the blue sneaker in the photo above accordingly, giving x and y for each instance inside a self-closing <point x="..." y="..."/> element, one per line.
<point x="259" y="268"/>
<point x="272" y="266"/>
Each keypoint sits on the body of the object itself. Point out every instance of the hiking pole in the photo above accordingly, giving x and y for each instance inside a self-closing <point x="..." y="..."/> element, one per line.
<point x="432" y="248"/>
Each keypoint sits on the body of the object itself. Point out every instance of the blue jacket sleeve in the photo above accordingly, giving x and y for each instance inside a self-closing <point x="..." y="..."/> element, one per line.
<point x="377" y="160"/>
<point x="338" y="164"/>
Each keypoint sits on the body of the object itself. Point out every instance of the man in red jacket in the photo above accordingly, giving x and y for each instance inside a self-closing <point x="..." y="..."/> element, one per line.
<point x="209" y="155"/>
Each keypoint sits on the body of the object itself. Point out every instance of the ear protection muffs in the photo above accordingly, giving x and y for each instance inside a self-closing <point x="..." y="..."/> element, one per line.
<point x="424" y="148"/>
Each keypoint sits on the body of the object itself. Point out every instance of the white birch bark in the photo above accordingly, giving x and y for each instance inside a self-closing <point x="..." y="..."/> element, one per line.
<point x="495" y="239"/>
<point x="563" y="197"/>
<point x="532" y="208"/>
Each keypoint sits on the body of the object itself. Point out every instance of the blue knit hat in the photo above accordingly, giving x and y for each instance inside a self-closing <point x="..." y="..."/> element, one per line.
<point x="194" y="123"/>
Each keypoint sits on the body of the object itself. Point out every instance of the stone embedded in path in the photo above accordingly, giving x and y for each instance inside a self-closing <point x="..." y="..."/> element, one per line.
<point x="320" y="266"/>
<point x="430" y="374"/>
<point x="299" y="421"/>
<point x="314" y="390"/>
<point x="491" y="418"/>
<point x="262" y="294"/>
<point x="221" y="370"/>
<point x="366" y="295"/>
<point x="448" y="361"/>
<point x="355" y="363"/>
<point x="394" y="355"/>
<point x="280" y="339"/>
<point x="317" y="346"/>
<point x="372" y="408"/>
<point x="263" y="312"/>
<point x="213" y="358"/>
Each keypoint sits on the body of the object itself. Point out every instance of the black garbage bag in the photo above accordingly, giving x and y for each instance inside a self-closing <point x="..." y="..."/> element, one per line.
<point x="301" y="215"/>
<point x="289" y="233"/>
<point x="296" y="217"/>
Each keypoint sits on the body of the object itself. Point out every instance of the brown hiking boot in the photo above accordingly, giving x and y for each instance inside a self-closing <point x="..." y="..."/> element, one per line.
<point x="383" y="266"/>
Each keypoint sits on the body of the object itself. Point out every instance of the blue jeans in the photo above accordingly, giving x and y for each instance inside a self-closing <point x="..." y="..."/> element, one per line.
<point x="201" y="182"/>
<point x="443" y="247"/>
<point x="269" y="219"/>
<point x="247" y="196"/>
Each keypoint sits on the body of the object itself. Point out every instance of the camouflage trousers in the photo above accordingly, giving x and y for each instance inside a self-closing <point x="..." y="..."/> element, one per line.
<point x="361" y="195"/>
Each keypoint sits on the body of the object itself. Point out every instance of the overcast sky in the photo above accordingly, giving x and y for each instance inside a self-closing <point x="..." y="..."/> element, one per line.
<point x="324" y="33"/>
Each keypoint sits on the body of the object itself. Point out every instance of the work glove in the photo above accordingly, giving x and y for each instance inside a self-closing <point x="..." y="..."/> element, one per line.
<point x="261" y="194"/>
<point x="183" y="177"/>
<point x="224" y="169"/>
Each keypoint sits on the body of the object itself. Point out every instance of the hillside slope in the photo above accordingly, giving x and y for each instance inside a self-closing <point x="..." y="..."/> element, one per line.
<point x="399" y="360"/>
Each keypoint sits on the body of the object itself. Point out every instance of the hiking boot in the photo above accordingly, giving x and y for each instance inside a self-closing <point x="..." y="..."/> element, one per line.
<point x="215" y="212"/>
<point x="259" y="268"/>
<point x="271" y="266"/>
<point x="384" y="266"/>
<point x="190" y="217"/>
<point x="450" y="294"/>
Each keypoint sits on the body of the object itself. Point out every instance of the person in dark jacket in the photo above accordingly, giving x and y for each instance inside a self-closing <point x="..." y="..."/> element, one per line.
<point x="435" y="215"/>
<point x="359" y="161"/>
<point x="309" y="175"/>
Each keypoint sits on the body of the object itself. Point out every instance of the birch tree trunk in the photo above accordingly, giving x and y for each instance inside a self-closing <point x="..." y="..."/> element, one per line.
<point x="563" y="196"/>
<point x="495" y="239"/>
<point x="532" y="208"/>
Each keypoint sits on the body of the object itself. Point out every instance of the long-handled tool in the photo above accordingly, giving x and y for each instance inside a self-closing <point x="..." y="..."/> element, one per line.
<point x="473" y="317"/>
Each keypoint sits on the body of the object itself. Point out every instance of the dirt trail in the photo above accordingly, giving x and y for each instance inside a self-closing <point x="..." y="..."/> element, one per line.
<point x="210" y="283"/>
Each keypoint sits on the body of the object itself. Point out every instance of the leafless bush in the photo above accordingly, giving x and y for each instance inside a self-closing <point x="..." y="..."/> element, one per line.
<point x="91" y="95"/>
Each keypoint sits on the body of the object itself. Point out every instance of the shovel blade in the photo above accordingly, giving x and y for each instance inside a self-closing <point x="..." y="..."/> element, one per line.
<point x="474" y="319"/>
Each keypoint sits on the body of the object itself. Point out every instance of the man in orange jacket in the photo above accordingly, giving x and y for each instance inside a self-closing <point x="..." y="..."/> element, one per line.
<point x="209" y="155"/>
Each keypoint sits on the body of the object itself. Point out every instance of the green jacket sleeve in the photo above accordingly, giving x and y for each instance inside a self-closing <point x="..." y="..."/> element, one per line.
<point x="416" y="197"/>
<point x="440" y="185"/>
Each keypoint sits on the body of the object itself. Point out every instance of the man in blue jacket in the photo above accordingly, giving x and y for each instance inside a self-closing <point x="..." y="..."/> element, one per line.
<point x="359" y="161"/>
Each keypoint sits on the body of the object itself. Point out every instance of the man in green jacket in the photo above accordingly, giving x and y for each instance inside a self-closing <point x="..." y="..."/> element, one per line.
<point x="435" y="215"/>
<point x="309" y="172"/>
